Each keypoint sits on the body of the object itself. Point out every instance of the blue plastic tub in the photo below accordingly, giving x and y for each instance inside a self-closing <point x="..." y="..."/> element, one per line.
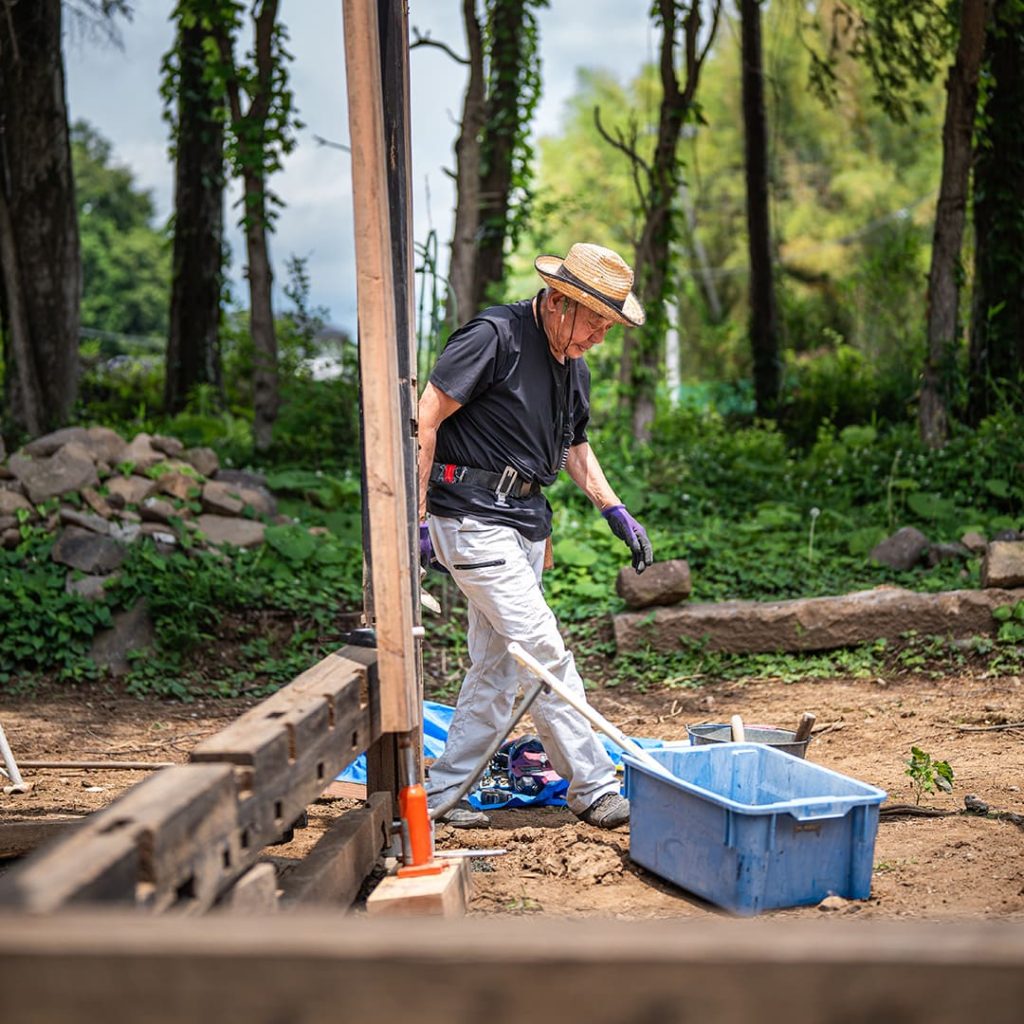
<point x="750" y="828"/>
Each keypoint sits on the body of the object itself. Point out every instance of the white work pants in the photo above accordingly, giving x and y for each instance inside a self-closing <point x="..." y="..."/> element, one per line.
<point x="499" y="571"/>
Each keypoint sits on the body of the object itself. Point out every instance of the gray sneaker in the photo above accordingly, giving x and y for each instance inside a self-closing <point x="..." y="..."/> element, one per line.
<point x="465" y="816"/>
<point x="608" y="811"/>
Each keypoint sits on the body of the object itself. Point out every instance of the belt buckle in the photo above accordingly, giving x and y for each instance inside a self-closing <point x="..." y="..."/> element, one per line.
<point x="505" y="484"/>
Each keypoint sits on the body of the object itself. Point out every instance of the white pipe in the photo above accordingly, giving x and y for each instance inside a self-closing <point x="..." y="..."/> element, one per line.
<point x="597" y="720"/>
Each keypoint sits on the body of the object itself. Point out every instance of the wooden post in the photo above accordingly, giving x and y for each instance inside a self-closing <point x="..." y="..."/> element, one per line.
<point x="390" y="536"/>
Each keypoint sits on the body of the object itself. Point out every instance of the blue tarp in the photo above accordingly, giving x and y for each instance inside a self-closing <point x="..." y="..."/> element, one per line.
<point x="436" y="720"/>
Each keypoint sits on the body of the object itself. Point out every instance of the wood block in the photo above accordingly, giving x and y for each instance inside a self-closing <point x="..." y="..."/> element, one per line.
<point x="336" y="867"/>
<point x="345" y="791"/>
<point x="254" y="893"/>
<point x="18" y="838"/>
<point x="443" y="895"/>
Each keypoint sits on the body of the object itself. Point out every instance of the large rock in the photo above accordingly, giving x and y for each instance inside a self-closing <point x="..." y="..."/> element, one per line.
<point x="813" y="624"/>
<point x="132" y="631"/>
<point x="157" y="510"/>
<point x="232" y="499"/>
<point x="202" y="460"/>
<point x="946" y="552"/>
<point x="662" y="583"/>
<point x="70" y="468"/>
<point x="129" y="490"/>
<point x="11" y="503"/>
<point x="1004" y="564"/>
<point x="102" y="443"/>
<point x="141" y="453"/>
<point x="170" y="446"/>
<point x="97" y="503"/>
<point x="974" y="542"/>
<point x="177" y="485"/>
<point x="89" y="588"/>
<point x="242" y="533"/>
<point x="95" y="524"/>
<point x="88" y="551"/>
<point x="901" y="551"/>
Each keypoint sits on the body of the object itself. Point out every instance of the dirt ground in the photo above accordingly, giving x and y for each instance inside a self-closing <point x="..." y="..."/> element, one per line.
<point x="958" y="866"/>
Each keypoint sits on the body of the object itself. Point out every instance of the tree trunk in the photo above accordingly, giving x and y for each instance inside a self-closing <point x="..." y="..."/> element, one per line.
<point x="997" y="323"/>
<point x="265" y="394"/>
<point x="640" y="369"/>
<point x="41" y="279"/>
<point x="764" y="328"/>
<point x="950" y="214"/>
<point x="460" y="305"/>
<point x="193" y="344"/>
<point x="507" y="56"/>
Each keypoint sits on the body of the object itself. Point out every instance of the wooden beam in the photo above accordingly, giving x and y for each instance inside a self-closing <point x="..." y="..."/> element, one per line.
<point x="442" y="895"/>
<point x="335" y="869"/>
<point x="320" y="967"/>
<point x="172" y="841"/>
<point x="254" y="893"/>
<point x="18" y="838"/>
<point x="289" y="747"/>
<point x="385" y="480"/>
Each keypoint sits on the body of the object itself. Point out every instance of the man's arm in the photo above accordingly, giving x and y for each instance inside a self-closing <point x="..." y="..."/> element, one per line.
<point x="434" y="408"/>
<point x="585" y="471"/>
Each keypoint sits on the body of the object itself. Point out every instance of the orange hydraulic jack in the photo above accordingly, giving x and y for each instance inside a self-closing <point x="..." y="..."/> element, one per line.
<point x="417" y="834"/>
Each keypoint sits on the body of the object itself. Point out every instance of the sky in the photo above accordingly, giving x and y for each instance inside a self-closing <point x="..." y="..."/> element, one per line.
<point x="116" y="90"/>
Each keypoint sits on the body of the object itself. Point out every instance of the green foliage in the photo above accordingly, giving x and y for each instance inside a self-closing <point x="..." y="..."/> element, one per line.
<point x="125" y="260"/>
<point x="1011" y="623"/>
<point x="927" y="775"/>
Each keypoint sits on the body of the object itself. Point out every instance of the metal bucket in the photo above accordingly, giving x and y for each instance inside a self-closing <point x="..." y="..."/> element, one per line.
<point x="780" y="739"/>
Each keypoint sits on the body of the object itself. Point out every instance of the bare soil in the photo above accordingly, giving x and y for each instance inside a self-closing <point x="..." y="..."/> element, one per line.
<point x="957" y="866"/>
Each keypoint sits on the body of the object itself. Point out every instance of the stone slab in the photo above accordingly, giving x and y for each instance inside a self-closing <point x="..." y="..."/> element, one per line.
<point x="1004" y="564"/>
<point x="812" y="624"/>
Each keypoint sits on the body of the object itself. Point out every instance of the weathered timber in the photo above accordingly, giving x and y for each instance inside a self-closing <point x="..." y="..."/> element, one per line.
<point x="322" y="967"/>
<point x="390" y="533"/>
<point x="171" y="842"/>
<point x="442" y="895"/>
<point x="813" y="624"/>
<point x="254" y="893"/>
<point x="18" y="838"/>
<point x="334" y="870"/>
<point x="288" y="748"/>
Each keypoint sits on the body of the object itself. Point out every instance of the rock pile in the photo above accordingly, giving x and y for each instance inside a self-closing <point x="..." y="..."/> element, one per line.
<point x="111" y="493"/>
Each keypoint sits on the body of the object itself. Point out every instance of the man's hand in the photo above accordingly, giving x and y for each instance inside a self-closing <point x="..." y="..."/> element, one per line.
<point x="628" y="530"/>
<point x="427" y="557"/>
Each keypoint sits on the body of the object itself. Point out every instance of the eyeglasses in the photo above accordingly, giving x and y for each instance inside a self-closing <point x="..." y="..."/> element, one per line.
<point x="591" y="320"/>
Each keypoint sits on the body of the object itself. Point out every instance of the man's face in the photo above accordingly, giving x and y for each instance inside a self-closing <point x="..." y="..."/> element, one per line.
<point x="580" y="329"/>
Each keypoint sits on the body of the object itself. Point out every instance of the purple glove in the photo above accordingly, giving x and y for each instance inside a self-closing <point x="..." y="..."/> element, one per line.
<point x="627" y="529"/>
<point x="427" y="557"/>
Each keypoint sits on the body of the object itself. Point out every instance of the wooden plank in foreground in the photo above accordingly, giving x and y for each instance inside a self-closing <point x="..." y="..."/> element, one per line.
<point x="323" y="967"/>
<point x="334" y="870"/>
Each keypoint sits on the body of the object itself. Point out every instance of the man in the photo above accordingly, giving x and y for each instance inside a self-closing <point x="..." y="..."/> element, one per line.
<point x="506" y="408"/>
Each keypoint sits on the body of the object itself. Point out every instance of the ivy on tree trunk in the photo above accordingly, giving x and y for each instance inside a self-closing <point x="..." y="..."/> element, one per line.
<point x="39" y="251"/>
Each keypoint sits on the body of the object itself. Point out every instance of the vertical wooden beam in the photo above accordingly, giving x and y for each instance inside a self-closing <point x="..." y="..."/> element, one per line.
<point x="390" y="539"/>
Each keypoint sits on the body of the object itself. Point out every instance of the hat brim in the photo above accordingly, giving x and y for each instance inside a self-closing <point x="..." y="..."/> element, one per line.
<point x="631" y="315"/>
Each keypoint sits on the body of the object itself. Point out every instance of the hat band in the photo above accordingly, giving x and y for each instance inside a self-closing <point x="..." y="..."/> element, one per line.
<point x="570" y="278"/>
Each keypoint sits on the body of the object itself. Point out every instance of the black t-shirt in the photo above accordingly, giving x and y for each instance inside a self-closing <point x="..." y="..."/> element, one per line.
<point x="520" y="408"/>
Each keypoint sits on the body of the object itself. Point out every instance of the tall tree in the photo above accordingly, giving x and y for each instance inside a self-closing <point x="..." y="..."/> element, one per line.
<point x="764" y="320"/>
<point x="685" y="40"/>
<point x="513" y="91"/>
<point x="260" y="131"/>
<point x="193" y="94"/>
<point x="950" y="214"/>
<point x="39" y="250"/>
<point x="997" y="321"/>
<point x="492" y="153"/>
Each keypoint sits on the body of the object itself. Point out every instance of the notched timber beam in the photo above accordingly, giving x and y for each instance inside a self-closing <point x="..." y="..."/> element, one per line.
<point x="288" y="749"/>
<point x="334" y="870"/>
<point x="171" y="843"/>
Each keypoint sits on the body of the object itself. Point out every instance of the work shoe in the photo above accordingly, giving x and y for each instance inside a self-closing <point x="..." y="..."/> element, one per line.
<point x="464" y="816"/>
<point x="608" y="811"/>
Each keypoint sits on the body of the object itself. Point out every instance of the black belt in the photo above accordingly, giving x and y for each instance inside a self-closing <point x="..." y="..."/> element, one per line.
<point x="503" y="484"/>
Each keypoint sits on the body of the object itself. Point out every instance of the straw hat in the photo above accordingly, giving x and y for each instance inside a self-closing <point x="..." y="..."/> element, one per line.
<point x="596" y="278"/>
